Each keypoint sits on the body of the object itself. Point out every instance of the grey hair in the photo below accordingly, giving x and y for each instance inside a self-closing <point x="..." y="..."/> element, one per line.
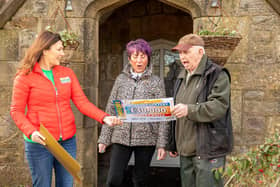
<point x="199" y="47"/>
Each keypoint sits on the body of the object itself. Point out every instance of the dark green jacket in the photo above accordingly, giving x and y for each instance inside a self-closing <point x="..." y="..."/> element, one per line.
<point x="206" y="131"/>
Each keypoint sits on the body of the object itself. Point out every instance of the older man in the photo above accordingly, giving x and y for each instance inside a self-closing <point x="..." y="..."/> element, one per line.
<point x="203" y="127"/>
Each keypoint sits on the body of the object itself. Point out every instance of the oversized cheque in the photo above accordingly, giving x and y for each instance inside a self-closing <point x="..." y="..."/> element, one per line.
<point x="145" y="110"/>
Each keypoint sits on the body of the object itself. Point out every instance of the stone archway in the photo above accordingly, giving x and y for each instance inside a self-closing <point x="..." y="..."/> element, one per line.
<point x="102" y="66"/>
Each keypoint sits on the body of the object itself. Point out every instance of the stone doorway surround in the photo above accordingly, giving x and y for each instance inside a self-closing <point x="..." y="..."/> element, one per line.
<point x="95" y="14"/>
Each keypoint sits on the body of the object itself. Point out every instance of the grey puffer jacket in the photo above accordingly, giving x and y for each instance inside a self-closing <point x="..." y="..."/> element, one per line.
<point x="148" y="86"/>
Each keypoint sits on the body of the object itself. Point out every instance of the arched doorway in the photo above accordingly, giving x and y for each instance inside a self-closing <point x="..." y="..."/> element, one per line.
<point x="158" y="23"/>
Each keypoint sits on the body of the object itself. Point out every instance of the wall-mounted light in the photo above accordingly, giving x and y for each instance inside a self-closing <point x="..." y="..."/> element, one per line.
<point x="215" y="4"/>
<point x="68" y="5"/>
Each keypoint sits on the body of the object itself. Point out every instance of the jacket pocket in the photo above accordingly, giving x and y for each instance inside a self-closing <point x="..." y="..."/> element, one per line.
<point x="218" y="140"/>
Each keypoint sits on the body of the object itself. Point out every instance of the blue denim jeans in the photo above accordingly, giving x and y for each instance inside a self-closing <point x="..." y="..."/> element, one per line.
<point x="41" y="162"/>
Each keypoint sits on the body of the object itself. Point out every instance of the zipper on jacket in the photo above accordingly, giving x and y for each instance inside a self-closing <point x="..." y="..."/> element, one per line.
<point x="57" y="107"/>
<point x="133" y="93"/>
<point x="58" y="111"/>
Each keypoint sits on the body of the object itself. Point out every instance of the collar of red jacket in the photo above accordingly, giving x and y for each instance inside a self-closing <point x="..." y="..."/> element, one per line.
<point x="38" y="69"/>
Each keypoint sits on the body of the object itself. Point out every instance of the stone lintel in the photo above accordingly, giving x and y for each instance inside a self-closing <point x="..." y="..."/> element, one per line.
<point x="275" y="4"/>
<point x="8" y="10"/>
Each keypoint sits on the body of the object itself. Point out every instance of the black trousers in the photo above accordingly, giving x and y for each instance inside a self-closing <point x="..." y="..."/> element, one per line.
<point x="119" y="159"/>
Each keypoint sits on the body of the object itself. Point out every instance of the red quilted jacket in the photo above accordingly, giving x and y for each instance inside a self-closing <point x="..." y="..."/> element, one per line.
<point x="49" y="104"/>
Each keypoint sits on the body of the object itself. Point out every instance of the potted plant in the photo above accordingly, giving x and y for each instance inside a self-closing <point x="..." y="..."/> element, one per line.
<point x="220" y="43"/>
<point x="69" y="39"/>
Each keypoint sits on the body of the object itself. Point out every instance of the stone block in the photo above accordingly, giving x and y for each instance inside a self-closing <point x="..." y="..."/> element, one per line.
<point x="254" y="125"/>
<point x="8" y="131"/>
<point x="26" y="38"/>
<point x="8" y="155"/>
<point x="264" y="23"/>
<point x="262" y="37"/>
<point x="12" y="175"/>
<point x="277" y="47"/>
<point x="5" y="98"/>
<point x="79" y="70"/>
<point x="273" y="123"/>
<point x="254" y="95"/>
<point x="253" y="139"/>
<point x="237" y="72"/>
<point x="4" y="73"/>
<point x="36" y="8"/>
<point x="253" y="107"/>
<point x="263" y="50"/>
<point x="91" y="75"/>
<point x="79" y="117"/>
<point x="87" y="145"/>
<point x="88" y="177"/>
<point x="272" y="94"/>
<point x="238" y="139"/>
<point x="236" y="110"/>
<point x="24" y="22"/>
<point x="271" y="107"/>
<point x="254" y="7"/>
<point x="7" y="73"/>
<point x="90" y="39"/>
<point x="265" y="77"/>
<point x="8" y="45"/>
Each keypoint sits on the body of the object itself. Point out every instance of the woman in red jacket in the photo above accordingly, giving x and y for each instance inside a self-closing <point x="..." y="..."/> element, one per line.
<point x="41" y="94"/>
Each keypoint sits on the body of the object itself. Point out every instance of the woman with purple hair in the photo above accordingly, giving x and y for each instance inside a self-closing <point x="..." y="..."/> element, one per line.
<point x="136" y="81"/>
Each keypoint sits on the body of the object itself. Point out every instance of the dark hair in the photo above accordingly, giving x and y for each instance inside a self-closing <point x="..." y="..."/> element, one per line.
<point x="43" y="42"/>
<point x="139" y="45"/>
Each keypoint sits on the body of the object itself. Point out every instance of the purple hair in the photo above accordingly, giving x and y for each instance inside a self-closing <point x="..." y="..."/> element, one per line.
<point x="138" y="45"/>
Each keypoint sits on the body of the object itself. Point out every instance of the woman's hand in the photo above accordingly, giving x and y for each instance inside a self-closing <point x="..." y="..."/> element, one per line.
<point x="38" y="137"/>
<point x="173" y="154"/>
<point x="161" y="154"/>
<point x="112" y="120"/>
<point x="101" y="148"/>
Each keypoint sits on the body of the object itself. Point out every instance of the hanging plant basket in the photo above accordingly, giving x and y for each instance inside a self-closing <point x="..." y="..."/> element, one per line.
<point x="219" y="48"/>
<point x="69" y="50"/>
<point x="69" y="38"/>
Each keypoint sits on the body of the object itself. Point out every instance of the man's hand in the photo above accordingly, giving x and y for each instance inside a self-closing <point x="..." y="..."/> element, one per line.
<point x="180" y="110"/>
<point x="161" y="154"/>
<point x="38" y="137"/>
<point x="112" y="120"/>
<point x="173" y="154"/>
<point x="101" y="148"/>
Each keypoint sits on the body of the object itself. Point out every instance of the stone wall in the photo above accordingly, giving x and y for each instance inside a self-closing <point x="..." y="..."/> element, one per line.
<point x="105" y="26"/>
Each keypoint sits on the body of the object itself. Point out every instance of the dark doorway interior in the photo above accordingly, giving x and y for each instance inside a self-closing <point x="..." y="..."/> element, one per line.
<point x="159" y="177"/>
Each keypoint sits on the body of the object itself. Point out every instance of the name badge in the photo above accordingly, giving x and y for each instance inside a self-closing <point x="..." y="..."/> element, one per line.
<point x="64" y="80"/>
